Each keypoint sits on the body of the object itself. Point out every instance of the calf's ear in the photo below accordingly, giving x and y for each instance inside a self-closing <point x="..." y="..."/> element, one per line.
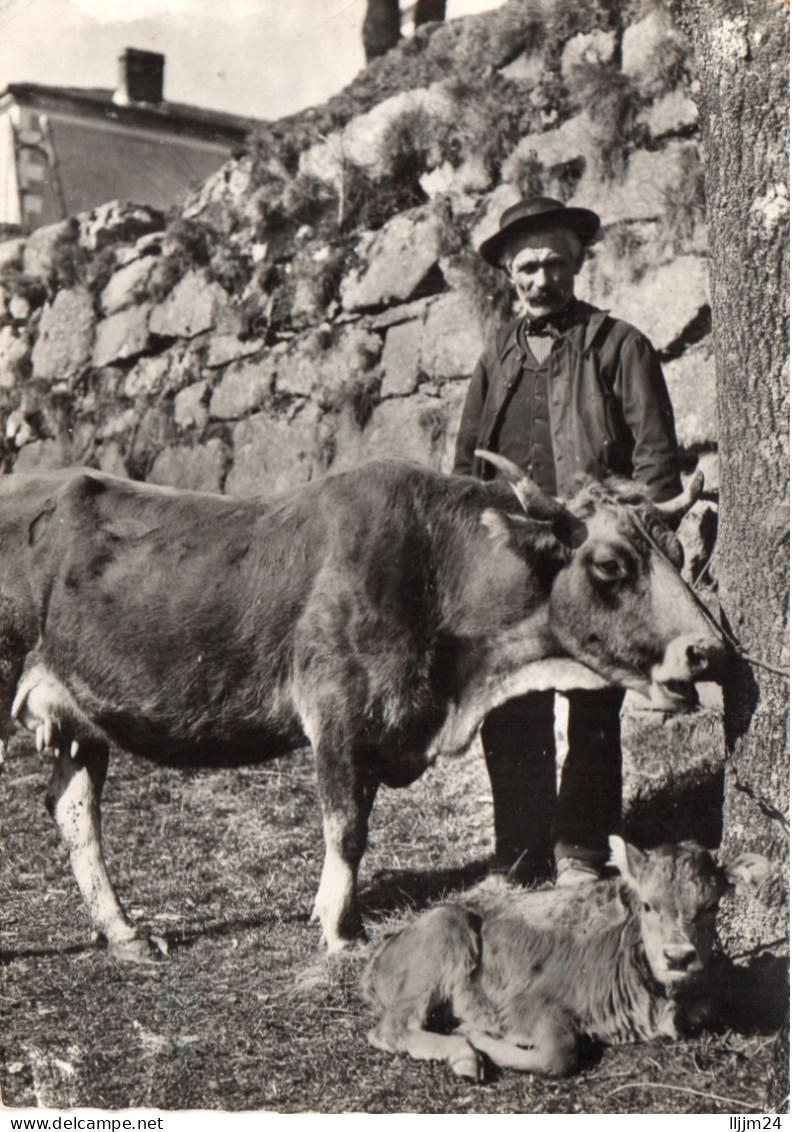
<point x="746" y="872"/>
<point x="627" y="859"/>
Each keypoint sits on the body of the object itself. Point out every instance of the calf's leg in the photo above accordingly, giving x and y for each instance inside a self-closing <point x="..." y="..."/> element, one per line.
<point x="422" y="976"/>
<point x="538" y="1036"/>
<point x="552" y="1056"/>
<point x="73" y="801"/>
<point x="424" y="1045"/>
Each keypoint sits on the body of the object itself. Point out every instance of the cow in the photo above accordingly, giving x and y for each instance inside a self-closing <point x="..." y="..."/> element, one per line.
<point x="525" y="979"/>
<point x="378" y="614"/>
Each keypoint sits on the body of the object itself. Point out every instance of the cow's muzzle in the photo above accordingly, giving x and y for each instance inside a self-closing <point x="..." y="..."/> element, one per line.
<point x="687" y="661"/>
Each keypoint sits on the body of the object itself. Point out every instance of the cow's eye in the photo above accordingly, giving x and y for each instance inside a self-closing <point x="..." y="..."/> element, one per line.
<point x="647" y="907"/>
<point x="606" y="571"/>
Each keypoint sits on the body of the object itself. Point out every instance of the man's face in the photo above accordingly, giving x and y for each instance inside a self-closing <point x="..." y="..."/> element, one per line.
<point x="542" y="269"/>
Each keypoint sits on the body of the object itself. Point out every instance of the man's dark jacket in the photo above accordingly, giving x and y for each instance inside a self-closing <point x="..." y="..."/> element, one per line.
<point x="610" y="412"/>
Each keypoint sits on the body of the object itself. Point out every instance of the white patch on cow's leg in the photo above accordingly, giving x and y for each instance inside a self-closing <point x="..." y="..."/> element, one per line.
<point x="335" y="906"/>
<point x="75" y="808"/>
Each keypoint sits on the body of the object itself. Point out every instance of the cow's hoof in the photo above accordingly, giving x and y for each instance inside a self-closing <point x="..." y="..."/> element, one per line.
<point x="139" y="949"/>
<point x="347" y="935"/>
<point x="348" y="948"/>
<point x="339" y="944"/>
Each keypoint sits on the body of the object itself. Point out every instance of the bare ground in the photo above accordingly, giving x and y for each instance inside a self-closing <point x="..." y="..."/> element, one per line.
<point x="247" y="1013"/>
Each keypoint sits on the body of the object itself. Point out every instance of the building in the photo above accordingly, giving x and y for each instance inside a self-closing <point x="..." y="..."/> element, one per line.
<point x="65" y="151"/>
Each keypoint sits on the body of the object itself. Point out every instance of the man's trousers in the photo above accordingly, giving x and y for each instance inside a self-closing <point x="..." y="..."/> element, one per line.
<point x="534" y="822"/>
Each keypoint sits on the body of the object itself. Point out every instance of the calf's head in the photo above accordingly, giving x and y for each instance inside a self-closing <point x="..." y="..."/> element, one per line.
<point x="619" y="605"/>
<point x="677" y="889"/>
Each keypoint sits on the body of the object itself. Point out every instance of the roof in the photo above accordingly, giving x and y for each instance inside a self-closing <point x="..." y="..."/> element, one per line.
<point x="167" y="115"/>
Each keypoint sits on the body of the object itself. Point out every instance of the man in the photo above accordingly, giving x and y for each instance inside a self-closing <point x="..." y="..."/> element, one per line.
<point x="566" y="392"/>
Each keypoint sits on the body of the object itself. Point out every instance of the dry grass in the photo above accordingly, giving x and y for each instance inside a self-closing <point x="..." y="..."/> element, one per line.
<point x="247" y="1013"/>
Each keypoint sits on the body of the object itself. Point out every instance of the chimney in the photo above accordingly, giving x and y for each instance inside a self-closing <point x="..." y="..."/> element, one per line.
<point x="141" y="77"/>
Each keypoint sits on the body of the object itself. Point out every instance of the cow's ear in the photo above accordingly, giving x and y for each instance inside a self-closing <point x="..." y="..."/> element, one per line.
<point x="627" y="859"/>
<point x="499" y="526"/>
<point x="524" y="536"/>
<point x="515" y="529"/>
<point x="746" y="872"/>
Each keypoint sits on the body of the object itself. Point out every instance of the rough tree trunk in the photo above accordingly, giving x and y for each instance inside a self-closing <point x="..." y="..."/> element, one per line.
<point x="741" y="51"/>
<point x="381" y="27"/>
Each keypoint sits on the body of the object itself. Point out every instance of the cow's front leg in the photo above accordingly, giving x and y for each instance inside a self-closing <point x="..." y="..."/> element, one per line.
<point x="347" y="793"/>
<point x="73" y="801"/>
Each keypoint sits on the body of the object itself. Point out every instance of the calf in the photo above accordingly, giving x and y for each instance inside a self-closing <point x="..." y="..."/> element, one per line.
<point x="523" y="977"/>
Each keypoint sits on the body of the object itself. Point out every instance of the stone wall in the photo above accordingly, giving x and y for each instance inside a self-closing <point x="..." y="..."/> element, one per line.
<point x="151" y="351"/>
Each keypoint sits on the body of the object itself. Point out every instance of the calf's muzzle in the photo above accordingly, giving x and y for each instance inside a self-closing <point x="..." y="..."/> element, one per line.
<point x="682" y="958"/>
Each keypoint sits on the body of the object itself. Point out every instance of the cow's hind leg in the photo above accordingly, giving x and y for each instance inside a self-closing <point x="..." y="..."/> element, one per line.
<point x="73" y="801"/>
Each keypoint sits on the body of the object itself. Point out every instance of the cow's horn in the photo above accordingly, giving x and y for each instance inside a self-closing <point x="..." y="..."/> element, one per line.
<point x="532" y="499"/>
<point x="537" y="503"/>
<point x="673" y="509"/>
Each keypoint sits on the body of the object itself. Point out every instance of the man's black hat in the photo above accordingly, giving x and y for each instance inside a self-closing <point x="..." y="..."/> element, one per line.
<point x="537" y="214"/>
